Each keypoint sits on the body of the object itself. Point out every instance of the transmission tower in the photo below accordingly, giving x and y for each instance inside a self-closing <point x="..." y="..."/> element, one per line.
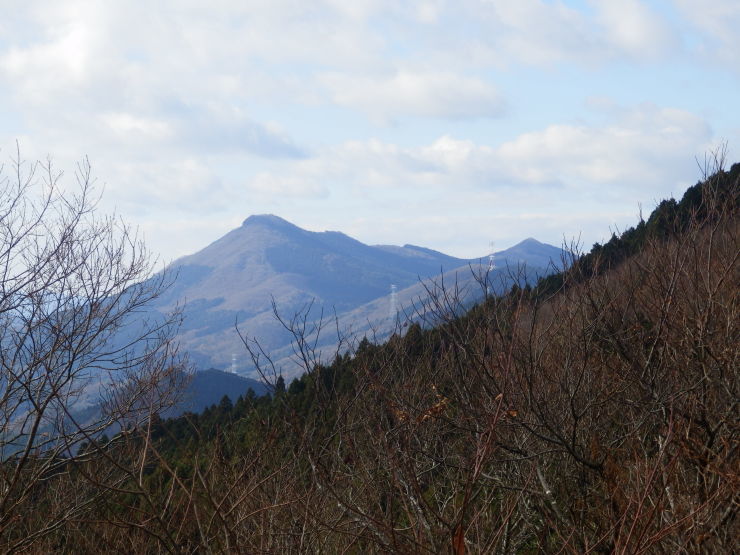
<point x="233" y="363"/>
<point x="491" y="267"/>
<point x="394" y="303"/>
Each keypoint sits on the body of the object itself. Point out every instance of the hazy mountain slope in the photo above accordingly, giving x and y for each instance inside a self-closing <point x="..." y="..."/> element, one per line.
<point x="270" y="256"/>
<point x="523" y="263"/>
<point x="237" y="277"/>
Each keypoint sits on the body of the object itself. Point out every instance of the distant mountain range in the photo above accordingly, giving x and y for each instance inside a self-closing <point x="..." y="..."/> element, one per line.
<point x="236" y="279"/>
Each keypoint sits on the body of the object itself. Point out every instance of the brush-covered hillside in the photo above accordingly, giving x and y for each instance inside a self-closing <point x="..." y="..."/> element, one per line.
<point x="595" y="412"/>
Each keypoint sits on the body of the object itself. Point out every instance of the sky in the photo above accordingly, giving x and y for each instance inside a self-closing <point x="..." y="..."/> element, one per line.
<point x="450" y="125"/>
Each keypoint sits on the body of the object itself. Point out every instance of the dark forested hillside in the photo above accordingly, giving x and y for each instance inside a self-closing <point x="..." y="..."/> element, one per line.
<point x="207" y="387"/>
<point x="595" y="412"/>
<point x="699" y="204"/>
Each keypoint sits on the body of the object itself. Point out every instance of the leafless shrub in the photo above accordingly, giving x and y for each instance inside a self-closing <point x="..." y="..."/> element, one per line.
<point x="73" y="287"/>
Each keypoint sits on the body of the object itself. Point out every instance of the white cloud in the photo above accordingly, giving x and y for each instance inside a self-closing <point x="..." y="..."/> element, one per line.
<point x="631" y="27"/>
<point x="223" y="129"/>
<point x="646" y="145"/>
<point x="274" y="186"/>
<point x="539" y="32"/>
<point x="147" y="187"/>
<point x="564" y="179"/>
<point x="128" y="124"/>
<point x="641" y="146"/>
<point x="133" y="57"/>
<point x="429" y="11"/>
<point x="413" y="93"/>
<point x="229" y="107"/>
<point x="60" y="59"/>
<point x="717" y="22"/>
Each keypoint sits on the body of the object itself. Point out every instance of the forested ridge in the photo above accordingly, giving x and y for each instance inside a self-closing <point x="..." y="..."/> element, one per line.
<point x="596" y="411"/>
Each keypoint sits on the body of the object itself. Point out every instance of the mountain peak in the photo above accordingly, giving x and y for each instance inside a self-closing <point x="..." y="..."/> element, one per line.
<point x="529" y="241"/>
<point x="266" y="219"/>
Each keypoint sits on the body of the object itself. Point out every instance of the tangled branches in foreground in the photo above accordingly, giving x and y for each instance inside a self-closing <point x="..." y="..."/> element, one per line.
<point x="77" y="356"/>
<point x="600" y="415"/>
